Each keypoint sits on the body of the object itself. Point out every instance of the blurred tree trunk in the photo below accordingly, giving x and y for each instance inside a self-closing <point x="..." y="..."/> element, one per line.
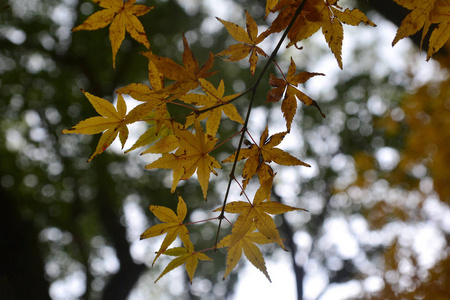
<point x="21" y="265"/>
<point x="120" y="284"/>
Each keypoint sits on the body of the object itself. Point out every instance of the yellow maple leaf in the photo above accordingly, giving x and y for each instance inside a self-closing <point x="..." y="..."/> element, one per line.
<point x="257" y="213"/>
<point x="154" y="98"/>
<point x="324" y="14"/>
<point x="423" y="14"/>
<point x="122" y="15"/>
<point x="249" y="40"/>
<point x="212" y="98"/>
<point x="251" y="251"/>
<point x="287" y="87"/>
<point x="259" y="156"/>
<point x="184" y="255"/>
<point x="165" y="144"/>
<point x="439" y="37"/>
<point x="192" y="156"/>
<point x="415" y="20"/>
<point x="112" y="122"/>
<point x="163" y="140"/>
<point x="155" y="104"/>
<point x="173" y="225"/>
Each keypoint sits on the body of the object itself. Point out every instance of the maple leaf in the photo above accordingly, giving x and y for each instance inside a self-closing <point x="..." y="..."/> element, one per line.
<point x="155" y="98"/>
<point x="315" y="15"/>
<point x="423" y="14"/>
<point x="438" y="38"/>
<point x="173" y="225"/>
<point x="257" y="213"/>
<point x="165" y="144"/>
<point x="155" y="104"/>
<point x="112" y="122"/>
<point x="287" y="88"/>
<point x="122" y="15"/>
<point x="141" y="92"/>
<point x="186" y="78"/>
<point x="162" y="138"/>
<point x="184" y="255"/>
<point x="212" y="98"/>
<point x="258" y="156"/>
<point x="251" y="251"/>
<point x="248" y="39"/>
<point x="191" y="156"/>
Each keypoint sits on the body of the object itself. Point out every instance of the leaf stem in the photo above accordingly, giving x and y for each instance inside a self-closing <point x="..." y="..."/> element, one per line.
<point x="254" y="142"/>
<point x="226" y="140"/>
<point x="183" y="105"/>
<point x="196" y="222"/>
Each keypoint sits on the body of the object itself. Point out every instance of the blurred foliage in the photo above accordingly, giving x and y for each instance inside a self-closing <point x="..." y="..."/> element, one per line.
<point x="420" y="124"/>
<point x="425" y="144"/>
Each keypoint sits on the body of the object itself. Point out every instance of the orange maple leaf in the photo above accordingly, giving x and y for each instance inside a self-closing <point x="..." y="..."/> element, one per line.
<point x="191" y="156"/>
<point x="185" y="77"/>
<point x="212" y="98"/>
<point x="122" y="15"/>
<point x="173" y="225"/>
<point x="112" y="122"/>
<point x="317" y="14"/>
<point x="258" y="157"/>
<point x="248" y="39"/>
<point x="423" y="14"/>
<point x="287" y="87"/>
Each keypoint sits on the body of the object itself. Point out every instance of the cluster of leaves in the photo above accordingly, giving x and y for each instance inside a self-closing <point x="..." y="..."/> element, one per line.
<point x="425" y="13"/>
<point x="186" y="148"/>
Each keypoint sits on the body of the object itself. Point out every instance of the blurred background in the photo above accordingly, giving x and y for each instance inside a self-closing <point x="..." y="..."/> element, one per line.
<point x="378" y="191"/>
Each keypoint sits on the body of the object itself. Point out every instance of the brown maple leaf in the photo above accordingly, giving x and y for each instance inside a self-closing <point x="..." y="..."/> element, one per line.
<point x="186" y="77"/>
<point x="287" y="87"/>
<point x="258" y="157"/>
<point x="315" y="15"/>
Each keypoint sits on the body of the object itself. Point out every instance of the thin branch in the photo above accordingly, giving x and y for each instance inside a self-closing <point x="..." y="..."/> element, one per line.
<point x="253" y="90"/>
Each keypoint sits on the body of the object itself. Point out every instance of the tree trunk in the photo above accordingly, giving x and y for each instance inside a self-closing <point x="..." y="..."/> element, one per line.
<point x="21" y="265"/>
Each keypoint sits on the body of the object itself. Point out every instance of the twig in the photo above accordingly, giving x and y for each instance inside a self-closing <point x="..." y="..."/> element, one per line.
<point x="253" y="90"/>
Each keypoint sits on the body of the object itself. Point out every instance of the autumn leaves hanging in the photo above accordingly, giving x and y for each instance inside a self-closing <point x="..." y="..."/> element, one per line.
<point x="425" y="13"/>
<point x="186" y="148"/>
